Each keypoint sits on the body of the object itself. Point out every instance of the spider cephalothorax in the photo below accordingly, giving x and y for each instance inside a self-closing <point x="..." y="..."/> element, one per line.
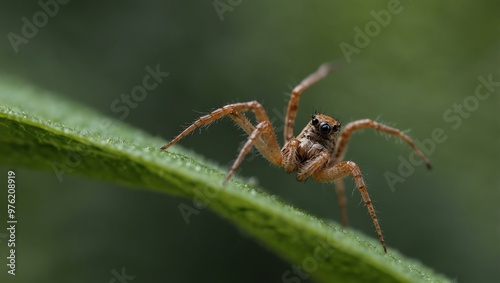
<point x="319" y="135"/>
<point x="317" y="152"/>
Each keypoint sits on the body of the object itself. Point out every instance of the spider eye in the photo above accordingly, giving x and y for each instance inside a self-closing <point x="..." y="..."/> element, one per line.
<point x="335" y="128"/>
<point x="314" y="121"/>
<point x="325" y="128"/>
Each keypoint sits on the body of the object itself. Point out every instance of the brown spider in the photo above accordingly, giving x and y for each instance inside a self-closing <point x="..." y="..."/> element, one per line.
<point x="316" y="152"/>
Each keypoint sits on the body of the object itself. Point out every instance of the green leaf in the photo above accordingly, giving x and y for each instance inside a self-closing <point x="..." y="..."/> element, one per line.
<point x="41" y="131"/>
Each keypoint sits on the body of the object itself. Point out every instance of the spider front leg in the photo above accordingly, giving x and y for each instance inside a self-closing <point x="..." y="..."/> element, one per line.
<point x="263" y="128"/>
<point x="367" y="123"/>
<point x="272" y="156"/>
<point x="340" y="170"/>
<point x="219" y="113"/>
<point x="267" y="145"/>
<point x="312" y="166"/>
<point x="234" y="110"/>
<point x="293" y="104"/>
<point x="290" y="155"/>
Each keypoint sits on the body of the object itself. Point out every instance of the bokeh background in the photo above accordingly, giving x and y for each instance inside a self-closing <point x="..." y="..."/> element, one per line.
<point x="412" y="71"/>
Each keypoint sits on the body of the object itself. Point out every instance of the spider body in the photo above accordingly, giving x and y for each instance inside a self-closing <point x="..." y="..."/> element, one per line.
<point x="316" y="139"/>
<point x="317" y="152"/>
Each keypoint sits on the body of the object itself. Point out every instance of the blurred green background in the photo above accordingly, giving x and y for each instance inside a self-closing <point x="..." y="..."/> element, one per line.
<point x="413" y="71"/>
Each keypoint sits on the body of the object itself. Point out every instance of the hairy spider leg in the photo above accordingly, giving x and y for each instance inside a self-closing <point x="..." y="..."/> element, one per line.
<point x="260" y="144"/>
<point x="293" y="103"/>
<point x="343" y="140"/>
<point x="268" y="146"/>
<point x="340" y="188"/>
<point x="340" y="170"/>
<point x="260" y="129"/>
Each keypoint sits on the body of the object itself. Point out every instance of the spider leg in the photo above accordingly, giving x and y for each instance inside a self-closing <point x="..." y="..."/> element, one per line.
<point x="260" y="144"/>
<point x="340" y="188"/>
<point x="290" y="155"/>
<point x="343" y="169"/>
<point x="261" y="128"/>
<point x="341" y="147"/>
<point x="312" y="166"/>
<point x="263" y="136"/>
<point x="293" y="104"/>
<point x="269" y="137"/>
<point x="242" y="121"/>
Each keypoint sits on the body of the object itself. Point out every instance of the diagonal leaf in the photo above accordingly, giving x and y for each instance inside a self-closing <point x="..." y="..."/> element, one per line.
<point x="41" y="131"/>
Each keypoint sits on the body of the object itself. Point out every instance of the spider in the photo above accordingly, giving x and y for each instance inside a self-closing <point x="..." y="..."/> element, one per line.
<point x="317" y="152"/>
